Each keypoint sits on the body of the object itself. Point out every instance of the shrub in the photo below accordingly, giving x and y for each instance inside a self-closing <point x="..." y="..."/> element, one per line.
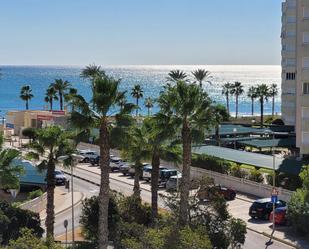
<point x="34" y="194"/>
<point x="31" y="133"/>
<point x="285" y="180"/>
<point x="210" y="163"/>
<point x="237" y="171"/>
<point x="256" y="176"/>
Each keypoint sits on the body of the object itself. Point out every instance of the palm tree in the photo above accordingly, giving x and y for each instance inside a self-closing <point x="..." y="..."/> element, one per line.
<point x="69" y="97"/>
<point x="50" y="143"/>
<point x="237" y="90"/>
<point x="189" y="109"/>
<point x="137" y="92"/>
<point x="262" y="93"/>
<point x="200" y="75"/>
<point x="61" y="87"/>
<point x="26" y="94"/>
<point x="148" y="104"/>
<point x="220" y="114"/>
<point x="50" y="96"/>
<point x="226" y="90"/>
<point x="176" y="75"/>
<point x="122" y="101"/>
<point x="252" y="95"/>
<point x="273" y="92"/>
<point x="91" y="72"/>
<point x="96" y="113"/>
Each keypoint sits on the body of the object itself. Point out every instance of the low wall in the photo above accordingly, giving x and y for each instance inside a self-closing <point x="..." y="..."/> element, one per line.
<point x="240" y="184"/>
<point x="36" y="205"/>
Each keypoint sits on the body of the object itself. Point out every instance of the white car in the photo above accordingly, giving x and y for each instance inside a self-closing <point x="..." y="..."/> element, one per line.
<point x="88" y="155"/>
<point x="147" y="172"/>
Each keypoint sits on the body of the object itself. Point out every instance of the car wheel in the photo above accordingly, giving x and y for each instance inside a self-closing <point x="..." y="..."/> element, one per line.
<point x="232" y="196"/>
<point x="86" y="160"/>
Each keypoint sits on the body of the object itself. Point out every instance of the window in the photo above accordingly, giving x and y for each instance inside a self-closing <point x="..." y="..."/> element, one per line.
<point x="290" y="76"/>
<point x="305" y="138"/>
<point x="306" y="62"/>
<point x="291" y="33"/>
<point x="306" y="12"/>
<point x="292" y="62"/>
<point x="305" y="112"/>
<point x="306" y="88"/>
<point x="291" y="3"/>
<point x="291" y="19"/>
<point x="305" y="37"/>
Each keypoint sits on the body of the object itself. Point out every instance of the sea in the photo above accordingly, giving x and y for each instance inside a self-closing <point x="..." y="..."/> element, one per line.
<point x="152" y="78"/>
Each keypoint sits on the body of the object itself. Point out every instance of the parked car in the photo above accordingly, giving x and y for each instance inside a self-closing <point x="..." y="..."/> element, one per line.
<point x="173" y="183"/>
<point x="60" y="178"/>
<point x="115" y="159"/>
<point x="132" y="169"/>
<point x="124" y="168"/>
<point x="262" y="208"/>
<point x="95" y="161"/>
<point x="208" y="192"/>
<point x="88" y="155"/>
<point x="280" y="216"/>
<point x="165" y="174"/>
<point x="147" y="172"/>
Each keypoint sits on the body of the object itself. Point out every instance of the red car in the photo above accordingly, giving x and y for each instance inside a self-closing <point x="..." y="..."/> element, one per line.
<point x="280" y="216"/>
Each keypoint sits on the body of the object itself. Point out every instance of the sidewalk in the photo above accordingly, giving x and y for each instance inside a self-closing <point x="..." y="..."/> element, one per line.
<point x="63" y="201"/>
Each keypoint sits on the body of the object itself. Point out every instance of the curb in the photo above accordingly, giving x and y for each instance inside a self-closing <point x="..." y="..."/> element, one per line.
<point x="275" y="238"/>
<point x="68" y="208"/>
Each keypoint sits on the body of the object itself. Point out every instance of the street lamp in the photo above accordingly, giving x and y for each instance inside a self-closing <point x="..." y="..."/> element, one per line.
<point x="75" y="159"/>
<point x="234" y="131"/>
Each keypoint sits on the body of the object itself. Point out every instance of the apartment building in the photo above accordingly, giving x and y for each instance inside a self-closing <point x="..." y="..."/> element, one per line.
<point x="295" y="70"/>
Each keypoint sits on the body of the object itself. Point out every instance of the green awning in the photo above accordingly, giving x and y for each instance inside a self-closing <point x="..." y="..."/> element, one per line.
<point x="268" y="143"/>
<point x="290" y="166"/>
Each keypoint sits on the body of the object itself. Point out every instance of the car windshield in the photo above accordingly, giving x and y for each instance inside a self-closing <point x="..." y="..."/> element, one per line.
<point x="58" y="173"/>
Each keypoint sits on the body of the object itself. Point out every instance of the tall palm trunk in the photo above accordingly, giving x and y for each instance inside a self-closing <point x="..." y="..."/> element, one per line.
<point x="50" y="208"/>
<point x="201" y="84"/>
<point x="136" y="107"/>
<point x="137" y="176"/>
<point x="228" y="104"/>
<point x="252" y="106"/>
<point x="27" y="105"/>
<point x="185" y="183"/>
<point x="104" y="186"/>
<point x="51" y="104"/>
<point x="155" y="162"/>
<point x="262" y="112"/>
<point x="148" y="111"/>
<point x="236" y="106"/>
<point x="217" y="135"/>
<point x="61" y="101"/>
<point x="273" y="106"/>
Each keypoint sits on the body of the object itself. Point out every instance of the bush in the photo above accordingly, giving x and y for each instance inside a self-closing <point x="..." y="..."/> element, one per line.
<point x="34" y="194"/>
<point x="284" y="180"/>
<point x="13" y="219"/>
<point x="256" y="176"/>
<point x="31" y="133"/>
<point x="210" y="163"/>
<point x="237" y="171"/>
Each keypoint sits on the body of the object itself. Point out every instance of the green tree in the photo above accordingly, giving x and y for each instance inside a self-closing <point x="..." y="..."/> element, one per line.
<point x="92" y="72"/>
<point x="30" y="133"/>
<point x="262" y="94"/>
<point x="137" y="93"/>
<point x="26" y="94"/>
<point x="148" y="104"/>
<point x="201" y="75"/>
<point x="237" y="90"/>
<point x="61" y="86"/>
<point x="105" y="96"/>
<point x="176" y="75"/>
<point x="252" y="95"/>
<point x="70" y="97"/>
<point x="51" y="143"/>
<point x="226" y="91"/>
<point x="50" y="96"/>
<point x="122" y="101"/>
<point x="220" y="115"/>
<point x="189" y="110"/>
<point x="273" y="92"/>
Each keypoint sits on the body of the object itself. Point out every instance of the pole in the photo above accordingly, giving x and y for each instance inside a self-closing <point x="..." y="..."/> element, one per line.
<point x="274" y="184"/>
<point x="72" y="194"/>
<point x="66" y="237"/>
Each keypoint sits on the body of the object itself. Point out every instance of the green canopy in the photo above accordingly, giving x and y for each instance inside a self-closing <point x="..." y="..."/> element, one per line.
<point x="268" y="143"/>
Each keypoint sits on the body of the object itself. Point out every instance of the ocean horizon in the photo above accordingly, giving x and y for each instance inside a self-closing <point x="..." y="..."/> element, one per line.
<point x="152" y="78"/>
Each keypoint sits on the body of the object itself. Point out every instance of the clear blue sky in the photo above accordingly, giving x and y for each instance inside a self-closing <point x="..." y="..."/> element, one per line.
<point x="110" y="32"/>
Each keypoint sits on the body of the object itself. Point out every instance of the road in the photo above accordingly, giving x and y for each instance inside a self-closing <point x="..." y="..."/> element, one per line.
<point x="124" y="185"/>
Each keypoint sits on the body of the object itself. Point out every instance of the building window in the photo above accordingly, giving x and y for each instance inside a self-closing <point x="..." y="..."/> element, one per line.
<point x="305" y="112"/>
<point x="305" y="138"/>
<point x="306" y="12"/>
<point x="291" y="19"/>
<point x="291" y="3"/>
<point x="290" y="76"/>
<point x="306" y="88"/>
<point x="291" y="33"/>
<point x="291" y="62"/>
<point x="306" y="62"/>
<point x="306" y="37"/>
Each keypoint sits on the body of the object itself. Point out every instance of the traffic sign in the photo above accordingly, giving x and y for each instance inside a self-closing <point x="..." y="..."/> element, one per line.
<point x="274" y="198"/>
<point x="65" y="223"/>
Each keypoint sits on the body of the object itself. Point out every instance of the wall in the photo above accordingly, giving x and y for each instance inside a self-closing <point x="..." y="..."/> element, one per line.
<point x="241" y="185"/>
<point x="36" y="205"/>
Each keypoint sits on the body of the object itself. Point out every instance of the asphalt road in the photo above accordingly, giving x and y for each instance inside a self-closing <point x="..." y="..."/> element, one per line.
<point x="253" y="239"/>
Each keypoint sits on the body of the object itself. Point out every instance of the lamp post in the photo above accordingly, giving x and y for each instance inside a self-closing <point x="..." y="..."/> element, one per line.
<point x="234" y="131"/>
<point x="74" y="160"/>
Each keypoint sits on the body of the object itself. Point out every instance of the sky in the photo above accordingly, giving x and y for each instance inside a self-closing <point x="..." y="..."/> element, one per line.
<point x="138" y="32"/>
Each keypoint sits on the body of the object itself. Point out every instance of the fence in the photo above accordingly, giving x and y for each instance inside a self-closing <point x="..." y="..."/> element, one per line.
<point x="36" y="205"/>
<point x="240" y="184"/>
